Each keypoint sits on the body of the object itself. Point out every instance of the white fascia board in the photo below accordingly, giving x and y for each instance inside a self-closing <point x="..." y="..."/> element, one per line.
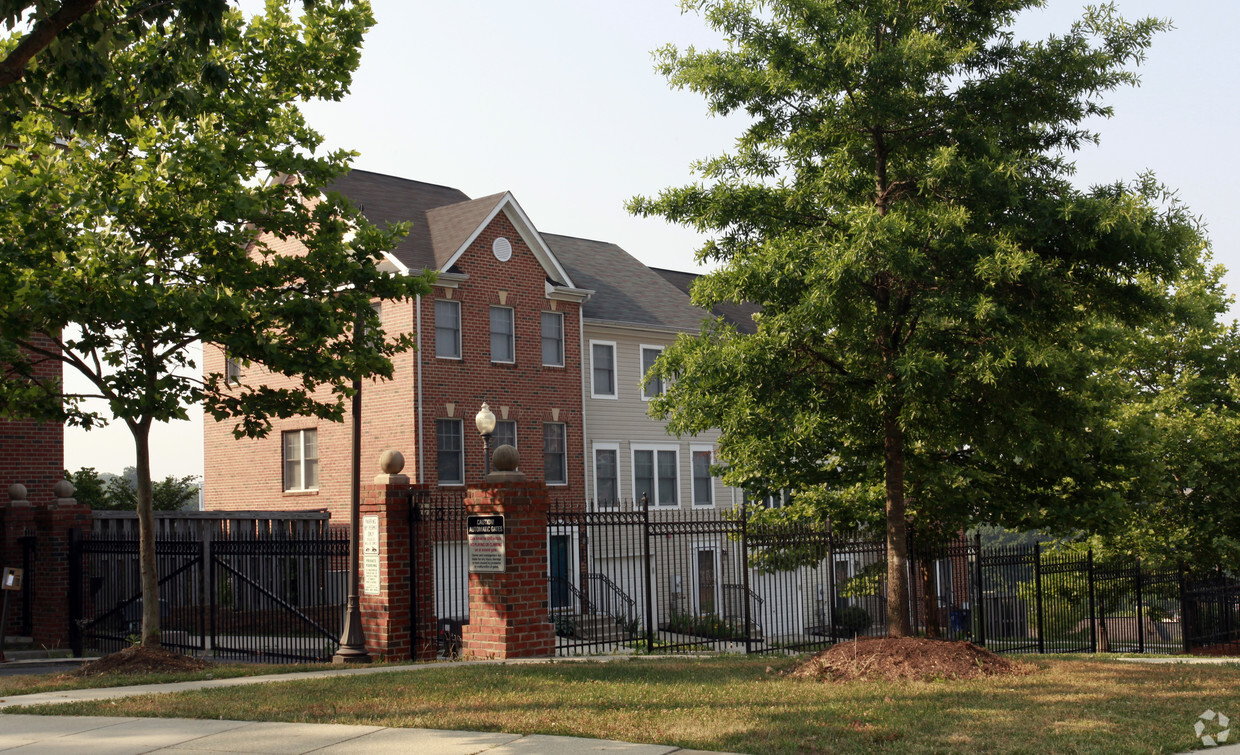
<point x="640" y="326"/>
<point x="450" y="280"/>
<point x="390" y="264"/>
<point x="565" y="293"/>
<point x="508" y="205"/>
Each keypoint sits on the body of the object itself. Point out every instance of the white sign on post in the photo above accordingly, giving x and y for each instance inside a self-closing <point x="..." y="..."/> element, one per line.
<point x="486" y="544"/>
<point x="370" y="555"/>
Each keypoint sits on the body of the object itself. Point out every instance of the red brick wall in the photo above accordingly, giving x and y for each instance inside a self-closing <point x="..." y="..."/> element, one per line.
<point x="33" y="453"/>
<point x="533" y="394"/>
<point x="248" y="474"/>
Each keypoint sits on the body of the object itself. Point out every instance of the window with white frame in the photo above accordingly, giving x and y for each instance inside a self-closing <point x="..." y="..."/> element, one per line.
<point x="502" y="335"/>
<point x="232" y="370"/>
<point x="505" y="434"/>
<point x="301" y="460"/>
<point x="654" y="384"/>
<point x="602" y="369"/>
<point x="776" y="500"/>
<point x="655" y="474"/>
<point x="703" y="483"/>
<point x="555" y="454"/>
<point x="607" y="475"/>
<point x="447" y="329"/>
<point x="451" y="451"/>
<point x="552" y="339"/>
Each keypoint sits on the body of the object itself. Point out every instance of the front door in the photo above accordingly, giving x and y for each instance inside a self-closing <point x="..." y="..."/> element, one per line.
<point x="557" y="556"/>
<point x="706" y="581"/>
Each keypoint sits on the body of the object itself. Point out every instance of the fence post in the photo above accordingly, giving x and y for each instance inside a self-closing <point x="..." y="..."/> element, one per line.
<point x="75" y="593"/>
<point x="1140" y="615"/>
<point x="1093" y="617"/>
<point x="1184" y="611"/>
<point x="980" y="605"/>
<point x="832" y="598"/>
<point x="646" y="567"/>
<point x="1037" y="579"/>
<point x="745" y="579"/>
<point x="207" y="534"/>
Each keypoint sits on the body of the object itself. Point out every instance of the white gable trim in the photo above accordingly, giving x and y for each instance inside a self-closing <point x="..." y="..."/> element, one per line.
<point x="390" y="264"/>
<point x="518" y="218"/>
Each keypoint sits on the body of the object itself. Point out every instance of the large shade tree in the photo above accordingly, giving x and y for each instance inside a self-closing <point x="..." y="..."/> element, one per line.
<point x="931" y="281"/>
<point x="125" y="243"/>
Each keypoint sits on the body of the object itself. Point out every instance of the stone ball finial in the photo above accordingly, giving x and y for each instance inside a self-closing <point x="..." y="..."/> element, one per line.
<point x="63" y="489"/>
<point x="505" y="459"/>
<point x="392" y="461"/>
<point x="17" y="492"/>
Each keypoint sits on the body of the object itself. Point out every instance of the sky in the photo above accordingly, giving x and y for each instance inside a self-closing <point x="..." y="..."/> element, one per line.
<point x="558" y="102"/>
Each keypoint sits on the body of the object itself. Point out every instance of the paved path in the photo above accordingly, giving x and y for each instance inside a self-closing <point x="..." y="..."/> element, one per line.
<point x="102" y="735"/>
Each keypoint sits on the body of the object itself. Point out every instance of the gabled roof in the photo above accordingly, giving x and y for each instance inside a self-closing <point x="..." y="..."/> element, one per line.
<point x="626" y="291"/>
<point x="386" y="200"/>
<point x="740" y="315"/>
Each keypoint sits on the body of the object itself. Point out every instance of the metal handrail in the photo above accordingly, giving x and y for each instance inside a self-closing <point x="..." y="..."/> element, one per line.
<point x="553" y="582"/>
<point x="614" y="590"/>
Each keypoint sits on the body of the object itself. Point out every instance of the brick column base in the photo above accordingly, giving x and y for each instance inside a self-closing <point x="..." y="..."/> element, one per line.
<point x="508" y="612"/>
<point x="386" y="617"/>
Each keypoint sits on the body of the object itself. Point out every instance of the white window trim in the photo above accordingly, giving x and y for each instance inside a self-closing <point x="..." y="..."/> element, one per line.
<point x="693" y="449"/>
<point x="301" y="461"/>
<point x="615" y="371"/>
<point x="459" y="327"/>
<point x="641" y="366"/>
<point x="461" y="452"/>
<point x="695" y="598"/>
<point x="512" y="335"/>
<point x="564" y="453"/>
<point x="563" y="345"/>
<point x="606" y="446"/>
<point x="655" y="448"/>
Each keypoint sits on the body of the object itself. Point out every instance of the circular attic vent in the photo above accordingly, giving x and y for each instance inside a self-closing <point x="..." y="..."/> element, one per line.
<point x="502" y="249"/>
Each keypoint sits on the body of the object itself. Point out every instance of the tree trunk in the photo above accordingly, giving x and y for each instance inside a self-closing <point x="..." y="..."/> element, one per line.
<point x="898" y="623"/>
<point x="146" y="538"/>
<point x="930" y="598"/>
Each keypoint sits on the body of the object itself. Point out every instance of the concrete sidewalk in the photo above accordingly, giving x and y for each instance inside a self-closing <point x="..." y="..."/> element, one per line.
<point x="103" y="735"/>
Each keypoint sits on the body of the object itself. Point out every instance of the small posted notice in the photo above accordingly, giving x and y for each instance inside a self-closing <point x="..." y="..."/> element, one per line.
<point x="486" y="544"/>
<point x="370" y="555"/>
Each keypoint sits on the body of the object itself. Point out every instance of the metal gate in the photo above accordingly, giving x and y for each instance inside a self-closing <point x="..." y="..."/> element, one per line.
<point x="269" y="599"/>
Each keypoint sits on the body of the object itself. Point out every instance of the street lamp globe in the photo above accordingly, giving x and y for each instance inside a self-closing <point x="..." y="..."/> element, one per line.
<point x="485" y="420"/>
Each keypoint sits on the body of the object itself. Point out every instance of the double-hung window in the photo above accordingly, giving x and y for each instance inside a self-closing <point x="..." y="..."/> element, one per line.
<point x="602" y="369"/>
<point x="502" y="349"/>
<point x="232" y="370"/>
<point x="552" y="339"/>
<point x="451" y="451"/>
<point x="654" y="383"/>
<point x="655" y="475"/>
<point x="703" y="484"/>
<point x="555" y="454"/>
<point x="301" y="460"/>
<point x="447" y="329"/>
<point x="606" y="475"/>
<point x="505" y="434"/>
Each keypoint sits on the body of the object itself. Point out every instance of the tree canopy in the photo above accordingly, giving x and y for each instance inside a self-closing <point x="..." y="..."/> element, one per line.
<point x="124" y="244"/>
<point x="933" y="286"/>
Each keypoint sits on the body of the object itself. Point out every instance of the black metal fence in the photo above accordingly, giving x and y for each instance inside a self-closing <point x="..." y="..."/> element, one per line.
<point x="627" y="578"/>
<point x="271" y="597"/>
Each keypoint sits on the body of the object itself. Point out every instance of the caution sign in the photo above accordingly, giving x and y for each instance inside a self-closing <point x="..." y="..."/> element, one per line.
<point x="486" y="544"/>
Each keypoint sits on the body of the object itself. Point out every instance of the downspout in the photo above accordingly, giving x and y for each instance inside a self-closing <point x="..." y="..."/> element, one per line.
<point x="417" y="432"/>
<point x="587" y="461"/>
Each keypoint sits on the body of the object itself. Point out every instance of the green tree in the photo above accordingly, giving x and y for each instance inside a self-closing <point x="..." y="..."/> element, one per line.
<point x="931" y="281"/>
<point x="89" y="488"/>
<point x="144" y="235"/>
<point x="168" y="494"/>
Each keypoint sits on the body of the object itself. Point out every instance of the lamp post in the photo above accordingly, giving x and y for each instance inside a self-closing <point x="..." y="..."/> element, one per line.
<point x="485" y="421"/>
<point x="352" y="636"/>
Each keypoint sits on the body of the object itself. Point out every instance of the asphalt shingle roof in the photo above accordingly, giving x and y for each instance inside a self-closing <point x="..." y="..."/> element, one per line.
<point x="740" y="315"/>
<point x="626" y="291"/>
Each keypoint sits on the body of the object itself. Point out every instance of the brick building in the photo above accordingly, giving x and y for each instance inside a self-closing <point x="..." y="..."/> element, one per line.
<point x="33" y="453"/>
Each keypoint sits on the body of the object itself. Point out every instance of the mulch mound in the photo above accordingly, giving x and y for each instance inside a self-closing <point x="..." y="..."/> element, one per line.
<point x="873" y="658"/>
<point x="1219" y="650"/>
<point x="143" y="660"/>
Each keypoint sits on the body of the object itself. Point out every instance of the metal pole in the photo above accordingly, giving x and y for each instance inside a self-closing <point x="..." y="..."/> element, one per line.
<point x="745" y="578"/>
<point x="1093" y="618"/>
<point x="650" y="618"/>
<point x="1037" y="577"/>
<point x="352" y="636"/>
<point x="486" y="451"/>
<point x="980" y="608"/>
<point x="1140" y="615"/>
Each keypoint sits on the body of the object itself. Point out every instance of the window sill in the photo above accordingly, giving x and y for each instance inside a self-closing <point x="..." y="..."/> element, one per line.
<point x="308" y="491"/>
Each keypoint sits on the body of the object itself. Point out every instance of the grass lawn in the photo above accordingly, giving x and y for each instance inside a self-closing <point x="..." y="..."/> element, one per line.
<point x="1070" y="704"/>
<point x="28" y="685"/>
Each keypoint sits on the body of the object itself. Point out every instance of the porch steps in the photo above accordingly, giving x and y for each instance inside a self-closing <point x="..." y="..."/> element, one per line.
<point x="599" y="627"/>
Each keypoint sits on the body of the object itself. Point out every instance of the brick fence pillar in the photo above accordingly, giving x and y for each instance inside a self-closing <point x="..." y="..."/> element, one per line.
<point x="508" y="611"/>
<point x="53" y="525"/>
<point x="386" y="606"/>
